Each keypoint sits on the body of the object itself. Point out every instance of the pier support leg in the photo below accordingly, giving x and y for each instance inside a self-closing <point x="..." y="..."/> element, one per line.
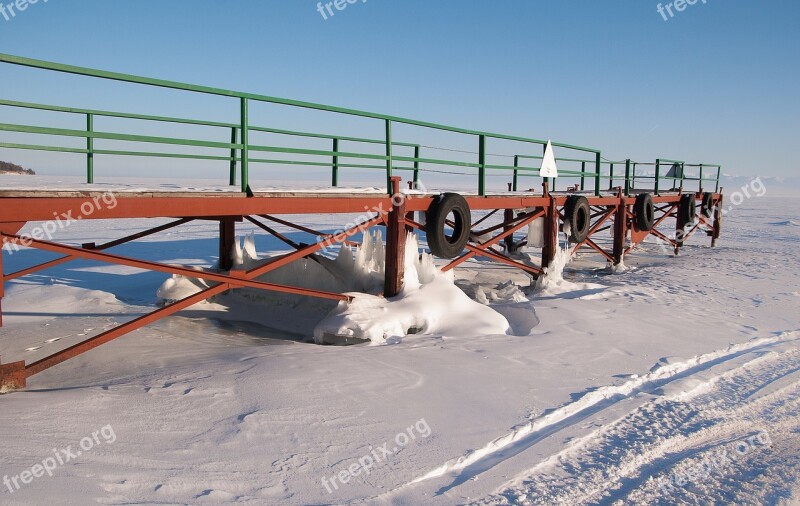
<point x="550" y="233"/>
<point x="620" y="228"/>
<point x="395" y="242"/>
<point x="227" y="236"/>
<point x="2" y="286"/>
<point x="717" y="223"/>
<point x="509" y="241"/>
<point x="12" y="376"/>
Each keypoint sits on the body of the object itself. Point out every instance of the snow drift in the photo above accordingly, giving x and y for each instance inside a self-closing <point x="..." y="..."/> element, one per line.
<point x="430" y="302"/>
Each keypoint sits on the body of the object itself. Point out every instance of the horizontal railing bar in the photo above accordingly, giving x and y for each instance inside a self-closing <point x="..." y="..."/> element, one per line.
<point x="328" y="136"/>
<point x="533" y="157"/>
<point x="112" y="114"/>
<point x="64" y="132"/>
<point x="161" y="83"/>
<point x="186" y="121"/>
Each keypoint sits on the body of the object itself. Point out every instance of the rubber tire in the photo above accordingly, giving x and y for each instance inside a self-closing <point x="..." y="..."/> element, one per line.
<point x="707" y="207"/>
<point x="578" y="214"/>
<point x="644" y="212"/>
<point x="439" y="243"/>
<point x="687" y="209"/>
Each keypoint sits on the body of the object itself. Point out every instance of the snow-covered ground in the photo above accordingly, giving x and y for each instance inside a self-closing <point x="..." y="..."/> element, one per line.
<point x="676" y="381"/>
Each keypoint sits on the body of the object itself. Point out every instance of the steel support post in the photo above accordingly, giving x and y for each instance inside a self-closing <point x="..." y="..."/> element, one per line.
<point x="551" y="224"/>
<point x="620" y="228"/>
<point x="2" y="285"/>
<point x="717" y="222"/>
<point x="395" y="242"/>
<point x="227" y="238"/>
<point x="12" y="376"/>
<point x="508" y="217"/>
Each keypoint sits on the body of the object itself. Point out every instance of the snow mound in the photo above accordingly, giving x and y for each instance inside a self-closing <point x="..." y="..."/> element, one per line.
<point x="552" y="282"/>
<point x="430" y="303"/>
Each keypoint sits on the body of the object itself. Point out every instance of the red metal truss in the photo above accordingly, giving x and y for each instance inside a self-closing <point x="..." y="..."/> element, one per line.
<point x="395" y="214"/>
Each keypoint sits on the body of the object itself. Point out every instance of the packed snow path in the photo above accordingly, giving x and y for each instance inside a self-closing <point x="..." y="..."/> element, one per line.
<point x="720" y="428"/>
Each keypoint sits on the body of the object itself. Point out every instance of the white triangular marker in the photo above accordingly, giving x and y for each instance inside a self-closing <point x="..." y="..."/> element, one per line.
<point x="549" y="167"/>
<point x="675" y="171"/>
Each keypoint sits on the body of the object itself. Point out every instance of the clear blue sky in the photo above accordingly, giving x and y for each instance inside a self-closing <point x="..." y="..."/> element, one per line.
<point x="718" y="82"/>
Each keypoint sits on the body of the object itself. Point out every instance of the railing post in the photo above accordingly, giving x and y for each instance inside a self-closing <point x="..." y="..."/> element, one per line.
<point x="515" y="181"/>
<point x="335" y="168"/>
<point x="482" y="165"/>
<point x="701" y="178"/>
<point x="658" y="175"/>
<point x="389" y="161"/>
<point x="583" y="176"/>
<point x="627" y="177"/>
<point x="610" y="177"/>
<point x="598" y="160"/>
<point x="245" y="140"/>
<point x="89" y="149"/>
<point x="633" y="177"/>
<point x="234" y="138"/>
<point x="416" y="166"/>
<point x="719" y="173"/>
<point x="683" y="174"/>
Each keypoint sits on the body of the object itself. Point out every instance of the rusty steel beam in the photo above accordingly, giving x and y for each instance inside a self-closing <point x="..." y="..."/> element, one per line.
<point x="36" y="268"/>
<point x="274" y="233"/>
<point x="139" y="235"/>
<point x="227" y="240"/>
<point x="551" y="230"/>
<point x="308" y="250"/>
<point x="143" y="206"/>
<point x="396" y="232"/>
<point x="498" y="257"/>
<point x="110" y="335"/>
<point x="620" y="228"/>
<point x="233" y="279"/>
<point x="600" y="250"/>
<point x="717" y="222"/>
<point x="301" y="228"/>
<point x="488" y="215"/>
<point x="526" y="219"/>
<point x="593" y="230"/>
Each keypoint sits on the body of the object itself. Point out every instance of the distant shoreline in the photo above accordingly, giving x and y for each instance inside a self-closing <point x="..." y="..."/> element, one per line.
<point x="11" y="168"/>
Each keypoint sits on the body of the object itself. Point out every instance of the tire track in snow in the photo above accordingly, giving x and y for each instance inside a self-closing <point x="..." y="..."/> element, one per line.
<point x="474" y="463"/>
<point x="632" y="459"/>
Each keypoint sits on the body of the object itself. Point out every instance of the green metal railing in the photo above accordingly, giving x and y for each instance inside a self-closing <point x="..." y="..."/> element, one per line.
<point x="240" y="150"/>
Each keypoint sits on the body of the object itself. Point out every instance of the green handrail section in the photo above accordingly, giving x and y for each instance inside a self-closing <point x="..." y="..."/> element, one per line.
<point x="242" y="152"/>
